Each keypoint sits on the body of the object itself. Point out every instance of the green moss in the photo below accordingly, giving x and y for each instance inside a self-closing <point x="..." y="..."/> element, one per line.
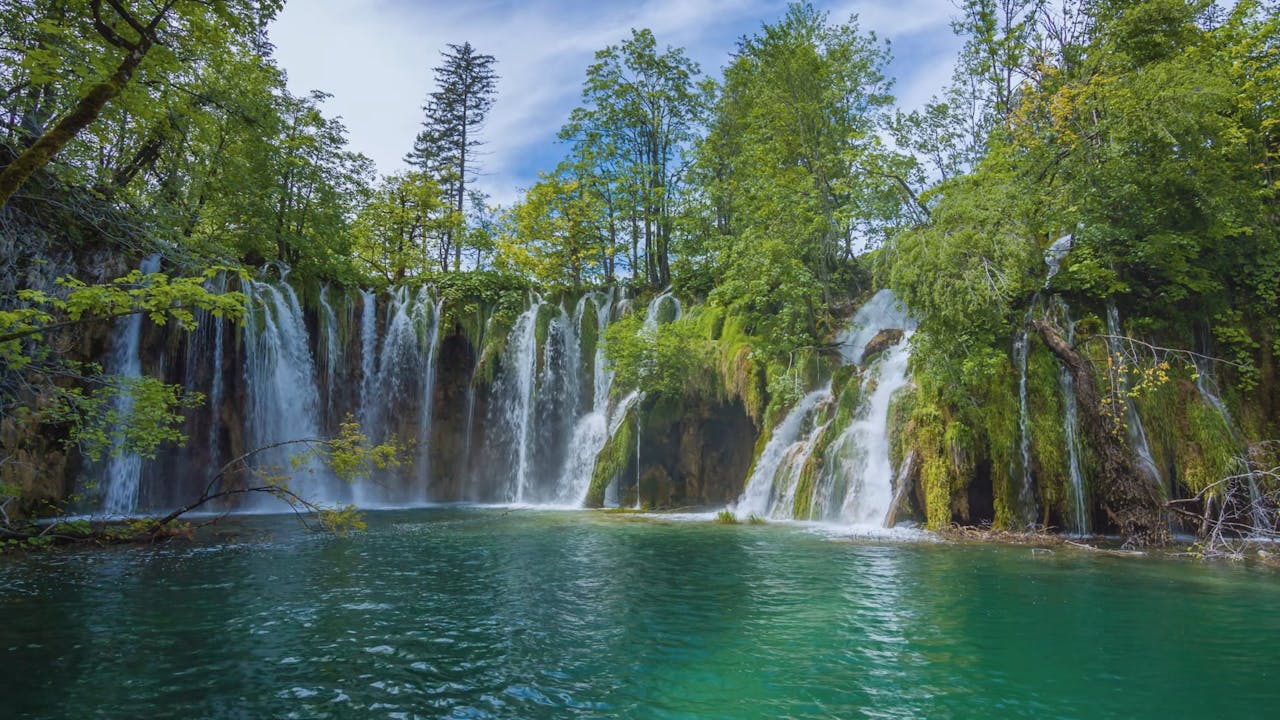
<point x="992" y="433"/>
<point x="542" y="326"/>
<point x="812" y="471"/>
<point x="901" y="408"/>
<point x="614" y="457"/>
<point x="1048" y="435"/>
<point x="936" y="483"/>
<point x="711" y="322"/>
<point x="1209" y="455"/>
<point x="666" y="310"/>
<point x="1188" y="434"/>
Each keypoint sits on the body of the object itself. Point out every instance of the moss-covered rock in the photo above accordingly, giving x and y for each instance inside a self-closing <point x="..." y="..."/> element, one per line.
<point x="882" y="341"/>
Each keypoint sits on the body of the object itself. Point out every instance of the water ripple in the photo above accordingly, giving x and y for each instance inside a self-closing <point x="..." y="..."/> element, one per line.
<point x="465" y="612"/>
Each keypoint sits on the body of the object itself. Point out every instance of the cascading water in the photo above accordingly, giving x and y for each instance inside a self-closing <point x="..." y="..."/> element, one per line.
<point x="368" y="354"/>
<point x="280" y="380"/>
<point x="1070" y="425"/>
<point x="1208" y="393"/>
<point x="1026" y="493"/>
<point x="216" y="383"/>
<point x="662" y="309"/>
<point x="124" y="468"/>
<point x="773" y="477"/>
<point x="1137" y="432"/>
<point x="855" y="482"/>
<point x="518" y="408"/>
<point x="428" y="400"/>
<point x="398" y="374"/>
<point x="866" y="444"/>
<point x="332" y="350"/>
<point x="550" y="411"/>
<point x="593" y="429"/>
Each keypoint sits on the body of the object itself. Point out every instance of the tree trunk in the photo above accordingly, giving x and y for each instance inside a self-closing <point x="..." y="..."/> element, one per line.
<point x="1129" y="499"/>
<point x="16" y="173"/>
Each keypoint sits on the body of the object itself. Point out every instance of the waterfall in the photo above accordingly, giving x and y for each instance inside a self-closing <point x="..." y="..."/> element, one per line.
<point x="855" y="481"/>
<point x="368" y="356"/>
<point x="639" y="437"/>
<point x="654" y="315"/>
<point x="280" y="386"/>
<point x="866" y="443"/>
<point x="1026" y="494"/>
<point x="428" y="399"/>
<point x="1136" y="431"/>
<point x="1070" y="425"/>
<point x="593" y="429"/>
<point x="215" y="387"/>
<point x="519" y="405"/>
<point x="397" y="374"/>
<point x="329" y="331"/>
<point x="1209" y="394"/>
<point x="549" y="416"/>
<point x="124" y="468"/>
<point x="1054" y="255"/>
<point x="766" y="484"/>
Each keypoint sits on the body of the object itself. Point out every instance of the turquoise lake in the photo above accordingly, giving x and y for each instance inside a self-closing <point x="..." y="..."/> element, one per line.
<point x="476" y="613"/>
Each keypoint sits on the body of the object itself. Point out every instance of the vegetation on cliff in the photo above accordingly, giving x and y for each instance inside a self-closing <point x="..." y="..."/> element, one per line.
<point x="1085" y="220"/>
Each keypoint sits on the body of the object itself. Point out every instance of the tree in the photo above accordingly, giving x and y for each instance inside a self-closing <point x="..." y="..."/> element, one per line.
<point x="395" y="230"/>
<point x="642" y="108"/>
<point x="113" y="44"/>
<point x="455" y="113"/>
<point x="554" y="234"/>
<point x="41" y="385"/>
<point x="794" y="170"/>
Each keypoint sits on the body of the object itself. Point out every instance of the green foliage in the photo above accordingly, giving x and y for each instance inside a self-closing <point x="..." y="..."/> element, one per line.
<point x="558" y="234"/>
<point x="641" y="107"/>
<point x="157" y="295"/>
<point x="150" y="416"/>
<point x="673" y="360"/>
<point x="397" y="232"/>
<point x="125" y="415"/>
<point x="726" y="517"/>
<point x="793" y="171"/>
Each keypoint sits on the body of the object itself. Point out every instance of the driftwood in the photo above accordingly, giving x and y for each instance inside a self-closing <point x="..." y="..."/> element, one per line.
<point x="1130" y="500"/>
<point x="1106" y="551"/>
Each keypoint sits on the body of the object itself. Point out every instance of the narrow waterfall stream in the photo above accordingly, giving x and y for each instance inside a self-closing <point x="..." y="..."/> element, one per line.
<point x="124" y="468"/>
<point x="519" y="404"/>
<point x="1206" y="386"/>
<point x="1136" y="431"/>
<point x="1026" y="490"/>
<point x="1071" y="426"/>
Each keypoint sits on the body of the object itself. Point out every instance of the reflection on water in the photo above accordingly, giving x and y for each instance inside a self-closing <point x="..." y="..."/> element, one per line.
<point x="482" y="613"/>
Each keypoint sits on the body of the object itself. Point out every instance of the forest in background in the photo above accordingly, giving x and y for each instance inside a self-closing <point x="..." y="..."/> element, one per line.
<point x="773" y="196"/>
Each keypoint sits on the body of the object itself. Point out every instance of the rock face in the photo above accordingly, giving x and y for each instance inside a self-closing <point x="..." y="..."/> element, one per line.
<point x="689" y="457"/>
<point x="882" y="341"/>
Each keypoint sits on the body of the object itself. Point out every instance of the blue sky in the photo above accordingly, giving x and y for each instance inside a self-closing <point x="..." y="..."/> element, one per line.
<point x="376" y="56"/>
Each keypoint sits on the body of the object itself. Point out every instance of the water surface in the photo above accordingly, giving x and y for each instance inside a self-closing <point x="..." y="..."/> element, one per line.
<point x="487" y="613"/>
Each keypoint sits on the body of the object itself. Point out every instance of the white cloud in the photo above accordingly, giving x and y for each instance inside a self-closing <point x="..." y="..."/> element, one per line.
<point x="376" y="58"/>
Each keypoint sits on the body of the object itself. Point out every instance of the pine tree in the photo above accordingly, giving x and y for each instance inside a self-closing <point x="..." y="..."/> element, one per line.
<point x="454" y="114"/>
